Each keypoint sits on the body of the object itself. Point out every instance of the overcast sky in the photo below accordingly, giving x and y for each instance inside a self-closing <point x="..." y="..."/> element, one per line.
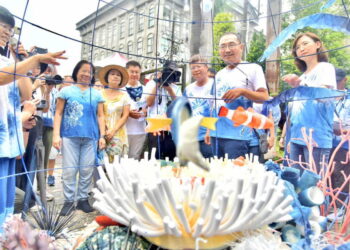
<point x="56" y="15"/>
<point x="60" y="16"/>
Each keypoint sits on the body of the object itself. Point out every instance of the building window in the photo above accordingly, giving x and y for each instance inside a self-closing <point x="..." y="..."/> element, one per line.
<point x="121" y="47"/>
<point x="129" y="47"/>
<point x="122" y="28"/>
<point x="177" y="24"/>
<point x="167" y="16"/>
<point x="96" y="36"/>
<point x="150" y="43"/>
<point x="88" y="47"/>
<point x="151" y="16"/>
<point x="115" y="32"/>
<point x="102" y="36"/>
<point x="109" y="35"/>
<point x="131" y="24"/>
<point x="141" y="19"/>
<point x="139" y="46"/>
<point x="96" y="57"/>
<point x="164" y="45"/>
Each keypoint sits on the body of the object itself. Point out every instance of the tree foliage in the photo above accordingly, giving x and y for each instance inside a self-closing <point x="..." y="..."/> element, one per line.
<point x="257" y="47"/>
<point x="219" y="29"/>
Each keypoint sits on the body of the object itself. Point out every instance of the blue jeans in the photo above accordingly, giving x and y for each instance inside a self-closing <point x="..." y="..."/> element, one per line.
<point x="206" y="150"/>
<point x="79" y="155"/>
<point x="7" y="187"/>
<point x="234" y="148"/>
<point x="296" y="150"/>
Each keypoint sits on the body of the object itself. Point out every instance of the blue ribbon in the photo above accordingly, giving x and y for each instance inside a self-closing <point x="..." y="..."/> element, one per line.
<point x="318" y="21"/>
<point x="300" y="94"/>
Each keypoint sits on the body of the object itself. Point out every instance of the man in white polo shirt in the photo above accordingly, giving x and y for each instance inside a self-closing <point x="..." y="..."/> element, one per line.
<point x="136" y="122"/>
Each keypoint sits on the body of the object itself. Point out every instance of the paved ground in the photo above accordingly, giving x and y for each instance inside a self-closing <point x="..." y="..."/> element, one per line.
<point x="84" y="221"/>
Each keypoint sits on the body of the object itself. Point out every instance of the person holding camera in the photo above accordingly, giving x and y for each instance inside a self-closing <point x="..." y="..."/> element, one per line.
<point x="35" y="153"/>
<point x="160" y="92"/>
<point x="12" y="83"/>
<point x="79" y="128"/>
<point x="116" y="109"/>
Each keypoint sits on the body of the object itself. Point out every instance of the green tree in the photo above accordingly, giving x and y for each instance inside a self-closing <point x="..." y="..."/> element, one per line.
<point x="257" y="47"/>
<point x="220" y="6"/>
<point x="219" y="29"/>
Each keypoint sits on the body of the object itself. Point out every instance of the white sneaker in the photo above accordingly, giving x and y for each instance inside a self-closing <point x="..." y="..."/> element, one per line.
<point x="49" y="197"/>
<point x="35" y="208"/>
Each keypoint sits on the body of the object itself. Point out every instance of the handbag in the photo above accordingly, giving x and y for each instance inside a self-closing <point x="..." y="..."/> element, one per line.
<point x="263" y="143"/>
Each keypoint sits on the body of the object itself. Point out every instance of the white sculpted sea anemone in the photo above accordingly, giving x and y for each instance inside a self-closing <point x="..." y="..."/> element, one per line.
<point x="172" y="207"/>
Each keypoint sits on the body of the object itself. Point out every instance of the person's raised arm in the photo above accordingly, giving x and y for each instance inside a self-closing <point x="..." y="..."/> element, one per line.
<point x="21" y="68"/>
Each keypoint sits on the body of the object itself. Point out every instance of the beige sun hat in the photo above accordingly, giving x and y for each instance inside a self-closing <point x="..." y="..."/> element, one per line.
<point x="104" y="71"/>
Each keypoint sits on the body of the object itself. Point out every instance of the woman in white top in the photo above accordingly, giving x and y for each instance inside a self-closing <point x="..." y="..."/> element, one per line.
<point x="317" y="115"/>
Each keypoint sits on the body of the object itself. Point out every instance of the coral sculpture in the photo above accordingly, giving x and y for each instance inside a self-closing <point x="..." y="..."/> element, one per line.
<point x="175" y="206"/>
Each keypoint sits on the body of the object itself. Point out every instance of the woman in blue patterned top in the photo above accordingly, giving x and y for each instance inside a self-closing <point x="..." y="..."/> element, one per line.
<point x="79" y="127"/>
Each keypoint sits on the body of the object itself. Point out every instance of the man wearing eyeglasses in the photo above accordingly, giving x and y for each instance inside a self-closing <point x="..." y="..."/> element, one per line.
<point x="12" y="83"/>
<point x="238" y="84"/>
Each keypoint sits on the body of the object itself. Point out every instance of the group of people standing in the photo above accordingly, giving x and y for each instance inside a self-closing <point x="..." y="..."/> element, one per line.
<point x="88" y="120"/>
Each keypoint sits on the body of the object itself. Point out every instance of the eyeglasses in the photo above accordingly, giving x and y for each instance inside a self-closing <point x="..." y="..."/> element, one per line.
<point x="8" y="28"/>
<point x="229" y="46"/>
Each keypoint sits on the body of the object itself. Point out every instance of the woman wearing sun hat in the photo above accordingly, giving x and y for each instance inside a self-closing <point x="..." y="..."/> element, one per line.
<point x="116" y="109"/>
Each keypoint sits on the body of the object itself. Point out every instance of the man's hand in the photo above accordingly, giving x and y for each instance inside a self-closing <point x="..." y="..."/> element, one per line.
<point x="51" y="57"/>
<point x="292" y="79"/>
<point x="29" y="124"/>
<point x="21" y="51"/>
<point x="135" y="114"/>
<point x="40" y="81"/>
<point x="207" y="139"/>
<point x="232" y="94"/>
<point x="29" y="108"/>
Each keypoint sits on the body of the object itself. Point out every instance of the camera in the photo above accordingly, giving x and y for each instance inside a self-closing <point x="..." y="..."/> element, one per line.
<point x="53" y="80"/>
<point x="38" y="50"/>
<point x="41" y="105"/>
<point x="170" y="74"/>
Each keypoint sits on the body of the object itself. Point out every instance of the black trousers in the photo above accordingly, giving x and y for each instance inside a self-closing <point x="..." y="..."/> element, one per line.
<point x="164" y="144"/>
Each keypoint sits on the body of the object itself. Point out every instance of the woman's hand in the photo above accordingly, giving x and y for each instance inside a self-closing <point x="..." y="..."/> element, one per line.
<point x="57" y="142"/>
<point x="292" y="79"/>
<point x="271" y="141"/>
<point x="110" y="133"/>
<point x="101" y="143"/>
<point x="281" y="142"/>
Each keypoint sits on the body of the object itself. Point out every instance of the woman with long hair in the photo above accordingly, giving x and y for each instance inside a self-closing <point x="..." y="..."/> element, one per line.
<point x="312" y="61"/>
<point x="79" y="127"/>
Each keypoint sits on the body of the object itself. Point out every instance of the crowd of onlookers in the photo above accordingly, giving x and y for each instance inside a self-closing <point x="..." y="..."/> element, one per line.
<point x="93" y="116"/>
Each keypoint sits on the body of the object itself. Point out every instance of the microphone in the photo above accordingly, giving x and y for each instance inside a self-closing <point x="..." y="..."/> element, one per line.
<point x="14" y="42"/>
